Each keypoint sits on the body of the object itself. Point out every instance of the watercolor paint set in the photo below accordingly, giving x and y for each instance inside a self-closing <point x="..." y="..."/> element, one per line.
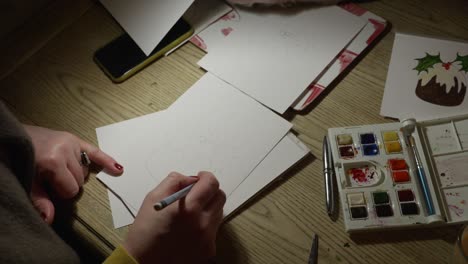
<point x="402" y="175"/>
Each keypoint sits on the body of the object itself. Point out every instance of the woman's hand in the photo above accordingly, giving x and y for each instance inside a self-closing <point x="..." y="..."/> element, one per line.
<point x="183" y="232"/>
<point x="58" y="156"/>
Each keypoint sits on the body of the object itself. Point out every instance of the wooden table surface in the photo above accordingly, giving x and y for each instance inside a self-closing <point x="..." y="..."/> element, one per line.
<point x="48" y="78"/>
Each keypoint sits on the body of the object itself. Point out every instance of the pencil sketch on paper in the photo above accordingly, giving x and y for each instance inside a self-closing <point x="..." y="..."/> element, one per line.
<point x="442" y="83"/>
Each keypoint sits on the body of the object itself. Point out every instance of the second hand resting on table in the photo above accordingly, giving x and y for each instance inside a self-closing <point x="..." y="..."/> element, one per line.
<point x="58" y="167"/>
<point x="190" y="223"/>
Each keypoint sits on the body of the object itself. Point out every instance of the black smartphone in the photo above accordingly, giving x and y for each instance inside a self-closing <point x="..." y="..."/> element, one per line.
<point x="122" y="57"/>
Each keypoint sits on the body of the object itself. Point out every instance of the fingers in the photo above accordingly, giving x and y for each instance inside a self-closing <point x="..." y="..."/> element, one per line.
<point x="102" y="159"/>
<point x="202" y="192"/>
<point x="64" y="183"/>
<point x="42" y="203"/>
<point x="79" y="172"/>
<point x="217" y="202"/>
<point x="85" y="171"/>
<point x="214" y="209"/>
<point x="171" y="184"/>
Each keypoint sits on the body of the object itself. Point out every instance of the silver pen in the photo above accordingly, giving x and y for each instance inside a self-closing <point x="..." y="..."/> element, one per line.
<point x="328" y="173"/>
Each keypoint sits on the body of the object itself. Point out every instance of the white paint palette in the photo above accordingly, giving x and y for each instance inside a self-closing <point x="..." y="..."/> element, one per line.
<point x="379" y="182"/>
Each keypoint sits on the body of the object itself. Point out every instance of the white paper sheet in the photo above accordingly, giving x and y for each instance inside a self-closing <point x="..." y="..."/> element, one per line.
<point x="404" y="80"/>
<point x="121" y="215"/>
<point x="201" y="14"/>
<point x="288" y="152"/>
<point x="215" y="34"/>
<point x="220" y="30"/>
<point x="274" y="56"/>
<point x="129" y="142"/>
<point x="216" y="127"/>
<point x="147" y="21"/>
<point x="211" y="127"/>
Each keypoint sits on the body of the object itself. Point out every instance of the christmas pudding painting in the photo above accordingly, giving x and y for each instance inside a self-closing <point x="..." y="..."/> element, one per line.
<point x="442" y="83"/>
<point x="427" y="79"/>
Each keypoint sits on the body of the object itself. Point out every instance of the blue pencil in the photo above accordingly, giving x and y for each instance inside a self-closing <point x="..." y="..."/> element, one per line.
<point x="172" y="198"/>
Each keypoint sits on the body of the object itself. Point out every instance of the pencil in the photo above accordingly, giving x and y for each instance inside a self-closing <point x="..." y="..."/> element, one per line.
<point x="172" y="198"/>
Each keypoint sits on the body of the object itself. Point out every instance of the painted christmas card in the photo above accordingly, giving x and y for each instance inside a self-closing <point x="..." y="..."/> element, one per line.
<point x="427" y="79"/>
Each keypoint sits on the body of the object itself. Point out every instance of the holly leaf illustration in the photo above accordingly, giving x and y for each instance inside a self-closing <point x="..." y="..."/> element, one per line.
<point x="427" y="62"/>
<point x="464" y="62"/>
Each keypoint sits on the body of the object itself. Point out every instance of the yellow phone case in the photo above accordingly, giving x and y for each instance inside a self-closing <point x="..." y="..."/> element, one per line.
<point x="149" y="60"/>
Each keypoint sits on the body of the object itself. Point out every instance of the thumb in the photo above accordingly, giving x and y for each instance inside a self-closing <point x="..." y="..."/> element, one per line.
<point x="42" y="202"/>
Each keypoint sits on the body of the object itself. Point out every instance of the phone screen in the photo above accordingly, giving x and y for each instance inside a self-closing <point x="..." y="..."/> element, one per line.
<point x="122" y="54"/>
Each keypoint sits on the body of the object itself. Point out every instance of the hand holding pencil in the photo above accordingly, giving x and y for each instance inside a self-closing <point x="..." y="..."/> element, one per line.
<point x="188" y="222"/>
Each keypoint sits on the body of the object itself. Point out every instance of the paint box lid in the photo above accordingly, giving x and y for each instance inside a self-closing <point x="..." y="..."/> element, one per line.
<point x="444" y="145"/>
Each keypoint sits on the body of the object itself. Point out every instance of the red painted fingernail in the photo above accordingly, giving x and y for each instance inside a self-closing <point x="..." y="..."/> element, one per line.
<point x="118" y="166"/>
